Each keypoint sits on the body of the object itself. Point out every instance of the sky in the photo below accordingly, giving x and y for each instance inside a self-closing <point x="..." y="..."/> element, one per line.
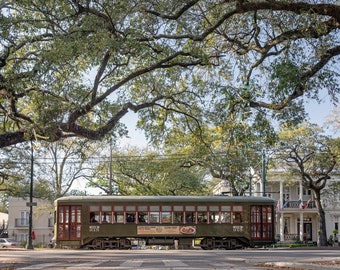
<point x="320" y="113"/>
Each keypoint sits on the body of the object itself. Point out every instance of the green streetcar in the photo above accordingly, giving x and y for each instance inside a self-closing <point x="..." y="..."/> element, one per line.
<point x="117" y="222"/>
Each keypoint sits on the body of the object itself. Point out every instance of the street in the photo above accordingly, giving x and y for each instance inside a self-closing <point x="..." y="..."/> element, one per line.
<point x="170" y="259"/>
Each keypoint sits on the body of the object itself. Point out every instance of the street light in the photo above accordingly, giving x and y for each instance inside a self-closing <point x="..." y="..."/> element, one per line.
<point x="29" y="243"/>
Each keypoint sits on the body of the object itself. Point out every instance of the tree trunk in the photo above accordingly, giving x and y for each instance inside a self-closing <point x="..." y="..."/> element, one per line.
<point x="322" y="234"/>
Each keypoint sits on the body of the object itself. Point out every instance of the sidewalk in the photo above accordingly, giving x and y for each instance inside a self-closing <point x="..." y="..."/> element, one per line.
<point x="329" y="263"/>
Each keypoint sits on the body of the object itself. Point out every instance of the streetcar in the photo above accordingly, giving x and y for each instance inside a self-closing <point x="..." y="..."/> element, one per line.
<point x="179" y="222"/>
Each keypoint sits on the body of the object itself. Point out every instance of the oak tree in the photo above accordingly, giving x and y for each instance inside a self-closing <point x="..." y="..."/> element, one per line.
<point x="77" y="67"/>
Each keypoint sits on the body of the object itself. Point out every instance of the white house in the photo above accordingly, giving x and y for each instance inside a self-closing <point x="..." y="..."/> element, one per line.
<point x="42" y="221"/>
<point x="297" y="217"/>
<point x="3" y="224"/>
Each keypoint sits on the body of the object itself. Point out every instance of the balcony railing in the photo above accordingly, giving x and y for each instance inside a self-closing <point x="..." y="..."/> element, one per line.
<point x="297" y="205"/>
<point x="21" y="222"/>
<point x="291" y="236"/>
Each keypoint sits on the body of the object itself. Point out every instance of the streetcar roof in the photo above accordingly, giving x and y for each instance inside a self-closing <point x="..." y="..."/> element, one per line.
<point x="166" y="199"/>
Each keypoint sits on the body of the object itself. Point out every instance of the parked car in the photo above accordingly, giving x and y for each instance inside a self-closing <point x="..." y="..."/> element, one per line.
<point x="8" y="243"/>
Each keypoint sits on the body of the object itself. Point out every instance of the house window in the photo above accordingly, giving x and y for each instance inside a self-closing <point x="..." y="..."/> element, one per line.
<point x="306" y="192"/>
<point x="22" y="237"/>
<point x="24" y="216"/>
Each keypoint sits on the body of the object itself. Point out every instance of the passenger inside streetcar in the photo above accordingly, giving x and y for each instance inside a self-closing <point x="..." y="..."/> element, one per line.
<point x="93" y="218"/>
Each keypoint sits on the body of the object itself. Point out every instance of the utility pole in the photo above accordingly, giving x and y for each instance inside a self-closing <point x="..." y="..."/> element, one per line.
<point x="30" y="219"/>
<point x="264" y="168"/>
<point x="111" y="174"/>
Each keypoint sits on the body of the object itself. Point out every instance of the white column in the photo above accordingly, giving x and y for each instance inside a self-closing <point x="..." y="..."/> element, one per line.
<point x="301" y="226"/>
<point x="282" y="236"/>
<point x="301" y="213"/>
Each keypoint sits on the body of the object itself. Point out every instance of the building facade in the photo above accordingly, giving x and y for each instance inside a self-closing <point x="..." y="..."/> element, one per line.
<point x="3" y="224"/>
<point x="297" y="217"/>
<point x="42" y="221"/>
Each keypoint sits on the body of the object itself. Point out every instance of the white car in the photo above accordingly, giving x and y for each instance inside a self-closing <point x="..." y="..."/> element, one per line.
<point x="8" y="243"/>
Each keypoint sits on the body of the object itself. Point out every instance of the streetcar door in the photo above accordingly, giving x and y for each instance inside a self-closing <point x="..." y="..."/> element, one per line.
<point x="69" y="222"/>
<point x="261" y="223"/>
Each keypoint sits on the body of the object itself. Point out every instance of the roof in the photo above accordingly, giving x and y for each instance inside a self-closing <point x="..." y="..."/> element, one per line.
<point x="162" y="199"/>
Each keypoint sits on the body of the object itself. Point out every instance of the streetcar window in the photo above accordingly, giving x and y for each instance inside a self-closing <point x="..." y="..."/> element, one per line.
<point x="143" y="208"/>
<point x="130" y="217"/>
<point x="166" y="214"/>
<point x="178" y="217"/>
<point x="106" y="214"/>
<point x="94" y="214"/>
<point x="142" y="217"/>
<point x="130" y="213"/>
<point x="78" y="231"/>
<point x="166" y="217"/>
<point x="202" y="208"/>
<point x="154" y="217"/>
<point x="190" y="214"/>
<point x="202" y="217"/>
<point x="190" y="208"/>
<point x="93" y="217"/>
<point x="61" y="217"/>
<point x="225" y="217"/>
<point x="106" y="217"/>
<point x="106" y="208"/>
<point x="266" y="214"/>
<point x="61" y="232"/>
<point x="154" y="208"/>
<point x="269" y="217"/>
<point x="238" y="208"/>
<point x="178" y="208"/>
<point x="119" y="217"/>
<point x="178" y="213"/>
<point x="118" y="208"/>
<point x="237" y="214"/>
<point x="255" y="215"/>
<point x="154" y="214"/>
<point x="237" y="217"/>
<point x="166" y="208"/>
<point x="130" y="208"/>
<point x="190" y="217"/>
<point x="225" y="208"/>
<point x="226" y="214"/>
<point x="143" y="214"/>
<point x="214" y="215"/>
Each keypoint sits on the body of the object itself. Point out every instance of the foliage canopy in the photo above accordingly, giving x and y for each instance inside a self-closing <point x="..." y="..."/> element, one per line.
<point x="77" y="67"/>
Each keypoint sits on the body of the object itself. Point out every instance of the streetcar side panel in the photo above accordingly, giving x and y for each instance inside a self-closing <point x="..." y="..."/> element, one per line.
<point x="104" y="222"/>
